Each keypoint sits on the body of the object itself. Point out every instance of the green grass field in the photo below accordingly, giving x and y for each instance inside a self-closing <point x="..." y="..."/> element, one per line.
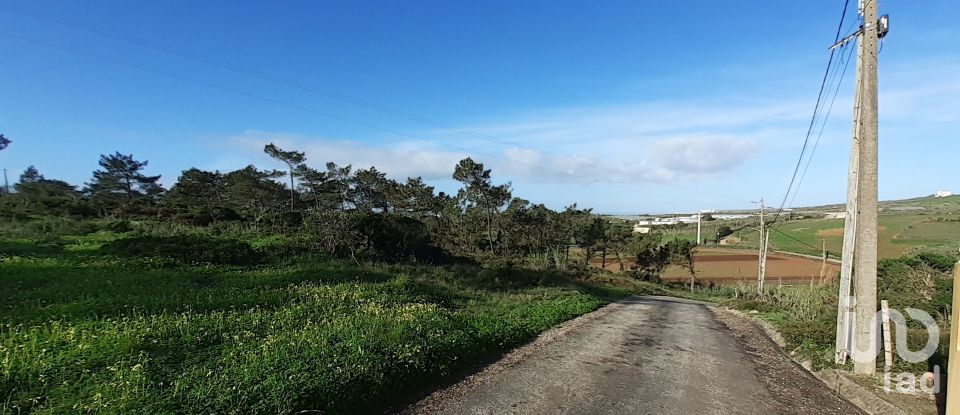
<point x="84" y="332"/>
<point x="898" y="235"/>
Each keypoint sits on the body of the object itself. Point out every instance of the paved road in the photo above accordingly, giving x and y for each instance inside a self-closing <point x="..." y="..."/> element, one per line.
<point x="646" y="355"/>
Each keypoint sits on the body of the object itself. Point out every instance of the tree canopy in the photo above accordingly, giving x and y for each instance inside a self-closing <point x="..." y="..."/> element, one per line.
<point x="354" y="212"/>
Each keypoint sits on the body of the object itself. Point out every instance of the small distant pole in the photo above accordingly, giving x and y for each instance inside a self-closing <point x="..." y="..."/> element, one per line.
<point x="699" y="216"/>
<point x="763" y="260"/>
<point x="823" y="264"/>
<point x="6" y="184"/>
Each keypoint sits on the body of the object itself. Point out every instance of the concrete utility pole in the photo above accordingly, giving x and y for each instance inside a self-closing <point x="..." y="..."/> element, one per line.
<point x="699" y="218"/>
<point x="865" y="250"/>
<point x="845" y="304"/>
<point x="856" y="317"/>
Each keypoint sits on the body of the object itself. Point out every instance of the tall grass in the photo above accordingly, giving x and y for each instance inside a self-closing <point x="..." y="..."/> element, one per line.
<point x="807" y="315"/>
<point x="87" y="333"/>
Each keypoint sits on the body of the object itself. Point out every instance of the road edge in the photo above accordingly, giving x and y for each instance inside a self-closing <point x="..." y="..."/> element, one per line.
<point x="834" y="379"/>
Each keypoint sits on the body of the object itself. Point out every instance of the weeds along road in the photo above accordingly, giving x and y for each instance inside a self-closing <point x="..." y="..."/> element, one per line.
<point x="643" y="355"/>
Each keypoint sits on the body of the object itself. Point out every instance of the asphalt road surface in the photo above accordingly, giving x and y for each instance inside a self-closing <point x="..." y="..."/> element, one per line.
<point x="643" y="355"/>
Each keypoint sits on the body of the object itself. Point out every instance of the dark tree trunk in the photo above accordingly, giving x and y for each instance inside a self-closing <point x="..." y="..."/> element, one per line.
<point x="129" y="188"/>
<point x="291" y="188"/>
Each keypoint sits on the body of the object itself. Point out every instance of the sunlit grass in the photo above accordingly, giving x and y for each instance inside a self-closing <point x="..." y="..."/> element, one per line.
<point x="98" y="335"/>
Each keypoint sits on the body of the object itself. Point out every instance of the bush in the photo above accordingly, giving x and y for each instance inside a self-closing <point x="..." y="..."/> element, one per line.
<point x="54" y="227"/>
<point x="922" y="281"/>
<point x="195" y="218"/>
<point x="185" y="249"/>
<point x="395" y="238"/>
<point x="119" y="226"/>
<point x="807" y="316"/>
<point x="291" y="219"/>
<point x="516" y="278"/>
<point x="940" y="262"/>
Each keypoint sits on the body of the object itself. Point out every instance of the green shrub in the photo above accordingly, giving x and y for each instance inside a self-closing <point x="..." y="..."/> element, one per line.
<point x="396" y="238"/>
<point x="119" y="226"/>
<point x="185" y="249"/>
<point x="940" y="262"/>
<point x="52" y="227"/>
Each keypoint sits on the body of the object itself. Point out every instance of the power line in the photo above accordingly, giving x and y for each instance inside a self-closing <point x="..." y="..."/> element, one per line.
<point x="846" y="60"/>
<point x="777" y="230"/>
<point x="293" y="84"/>
<point x="816" y="111"/>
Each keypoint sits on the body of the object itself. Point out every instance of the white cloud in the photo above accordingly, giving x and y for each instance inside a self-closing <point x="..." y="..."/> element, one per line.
<point x="638" y="121"/>
<point x="664" y="141"/>
<point x="703" y="155"/>
<point x="652" y="142"/>
<point x="398" y="160"/>
<point x="540" y="167"/>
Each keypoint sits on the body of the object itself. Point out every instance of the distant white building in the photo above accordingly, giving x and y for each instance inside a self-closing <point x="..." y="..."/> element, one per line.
<point x="943" y="193"/>
<point x="638" y="228"/>
<point x="730" y="216"/>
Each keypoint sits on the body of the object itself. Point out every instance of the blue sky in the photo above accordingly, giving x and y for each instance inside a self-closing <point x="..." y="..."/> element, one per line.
<point x="630" y="106"/>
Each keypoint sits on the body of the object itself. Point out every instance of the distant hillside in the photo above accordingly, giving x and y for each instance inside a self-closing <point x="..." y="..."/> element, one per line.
<point x="906" y="226"/>
<point x="926" y="204"/>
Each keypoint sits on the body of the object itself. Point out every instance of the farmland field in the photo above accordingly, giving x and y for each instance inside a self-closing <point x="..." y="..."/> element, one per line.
<point x="727" y="266"/>
<point x="898" y="235"/>
<point x="905" y="227"/>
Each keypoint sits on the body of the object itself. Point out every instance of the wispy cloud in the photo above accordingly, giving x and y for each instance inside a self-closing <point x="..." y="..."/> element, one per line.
<point x="651" y="142"/>
<point x="663" y="141"/>
<point x="703" y="155"/>
<point x="398" y="160"/>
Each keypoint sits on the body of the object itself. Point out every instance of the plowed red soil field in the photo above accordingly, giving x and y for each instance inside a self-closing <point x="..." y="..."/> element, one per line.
<point x="730" y="267"/>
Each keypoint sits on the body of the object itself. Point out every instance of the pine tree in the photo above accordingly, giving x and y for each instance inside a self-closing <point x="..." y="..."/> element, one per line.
<point x="121" y="181"/>
<point x="292" y="160"/>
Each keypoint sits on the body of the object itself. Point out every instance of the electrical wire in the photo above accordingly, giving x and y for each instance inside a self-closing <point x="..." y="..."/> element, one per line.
<point x="773" y="224"/>
<point x="825" y="85"/>
<point x="846" y="60"/>
<point x="813" y="119"/>
<point x="797" y="240"/>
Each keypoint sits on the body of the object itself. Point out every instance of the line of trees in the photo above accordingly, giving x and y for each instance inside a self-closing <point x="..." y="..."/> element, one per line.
<point x="346" y="212"/>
